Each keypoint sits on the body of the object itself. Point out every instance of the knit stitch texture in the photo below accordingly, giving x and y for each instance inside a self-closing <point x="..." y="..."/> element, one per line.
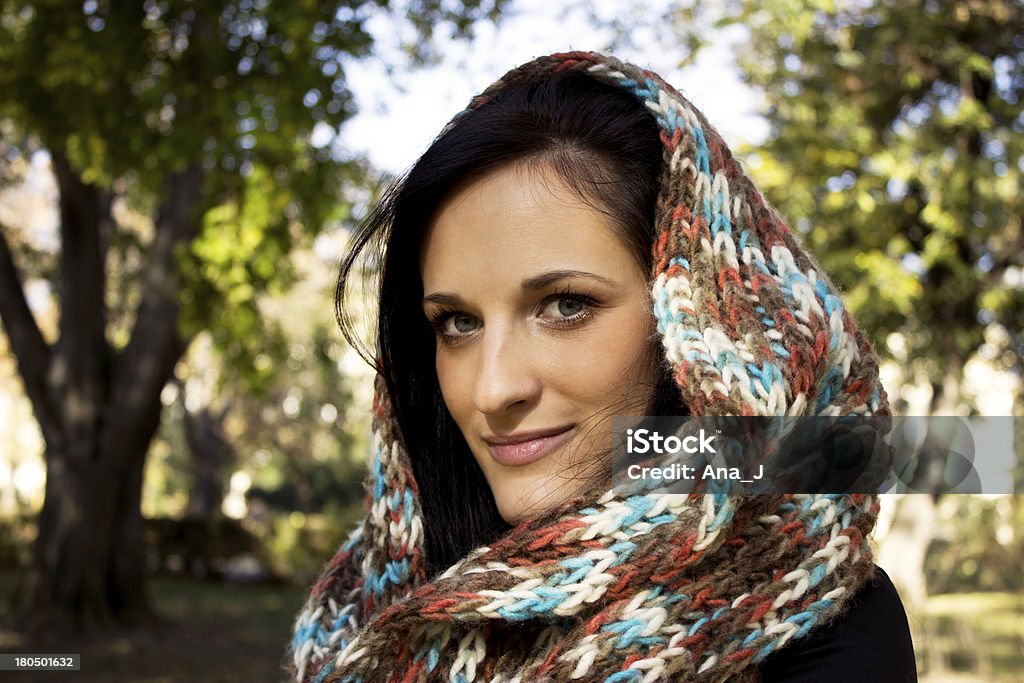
<point x="638" y="587"/>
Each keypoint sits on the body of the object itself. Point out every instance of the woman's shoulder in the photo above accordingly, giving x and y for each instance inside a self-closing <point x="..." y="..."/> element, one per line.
<point x="871" y="638"/>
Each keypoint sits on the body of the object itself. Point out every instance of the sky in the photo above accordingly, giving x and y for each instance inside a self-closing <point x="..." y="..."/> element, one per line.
<point x="400" y="114"/>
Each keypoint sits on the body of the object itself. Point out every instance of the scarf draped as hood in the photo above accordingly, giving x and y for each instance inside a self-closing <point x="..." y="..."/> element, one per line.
<point x="617" y="587"/>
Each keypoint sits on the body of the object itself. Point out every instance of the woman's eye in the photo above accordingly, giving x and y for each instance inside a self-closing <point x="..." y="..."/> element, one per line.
<point x="452" y="326"/>
<point x="565" y="307"/>
<point x="462" y="323"/>
<point x="569" y="307"/>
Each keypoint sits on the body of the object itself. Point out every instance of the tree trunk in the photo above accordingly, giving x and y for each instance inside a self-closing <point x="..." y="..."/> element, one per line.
<point x="210" y="454"/>
<point x="86" y="568"/>
<point x="98" y="410"/>
<point x="903" y="551"/>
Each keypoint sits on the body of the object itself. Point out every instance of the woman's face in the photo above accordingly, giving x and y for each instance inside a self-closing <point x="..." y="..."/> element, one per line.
<point x="544" y="331"/>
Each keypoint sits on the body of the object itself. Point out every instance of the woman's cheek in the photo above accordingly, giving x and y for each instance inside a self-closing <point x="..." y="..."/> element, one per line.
<point x="602" y="366"/>
<point x="454" y="377"/>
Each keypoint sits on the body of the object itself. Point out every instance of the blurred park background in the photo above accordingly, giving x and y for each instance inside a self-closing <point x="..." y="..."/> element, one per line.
<point x="182" y="429"/>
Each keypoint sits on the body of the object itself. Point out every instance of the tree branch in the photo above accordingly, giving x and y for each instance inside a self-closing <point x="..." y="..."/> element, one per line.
<point x="79" y="367"/>
<point x="146" y="363"/>
<point x="84" y="220"/>
<point x="27" y="343"/>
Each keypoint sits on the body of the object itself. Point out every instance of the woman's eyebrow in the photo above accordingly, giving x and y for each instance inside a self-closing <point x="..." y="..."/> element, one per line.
<point x="443" y="298"/>
<point x="529" y="285"/>
<point x="545" y="279"/>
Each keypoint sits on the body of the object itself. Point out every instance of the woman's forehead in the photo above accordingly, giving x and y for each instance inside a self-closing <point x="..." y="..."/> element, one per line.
<point x="512" y="223"/>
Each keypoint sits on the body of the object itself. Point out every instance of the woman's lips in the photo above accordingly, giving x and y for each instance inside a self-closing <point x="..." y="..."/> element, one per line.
<point x="527" y="451"/>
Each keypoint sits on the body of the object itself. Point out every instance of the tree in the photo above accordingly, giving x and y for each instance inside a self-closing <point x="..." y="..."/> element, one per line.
<point x="214" y="122"/>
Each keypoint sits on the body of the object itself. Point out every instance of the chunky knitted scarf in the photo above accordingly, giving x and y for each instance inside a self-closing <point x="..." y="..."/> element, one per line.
<point x="610" y="587"/>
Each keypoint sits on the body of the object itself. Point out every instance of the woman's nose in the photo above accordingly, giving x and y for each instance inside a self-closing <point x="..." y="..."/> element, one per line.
<point x="506" y="376"/>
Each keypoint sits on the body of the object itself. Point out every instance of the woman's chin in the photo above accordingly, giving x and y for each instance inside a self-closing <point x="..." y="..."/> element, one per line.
<point x="516" y="511"/>
<point x="542" y="500"/>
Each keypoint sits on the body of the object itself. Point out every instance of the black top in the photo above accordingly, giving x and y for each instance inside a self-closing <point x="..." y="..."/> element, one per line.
<point x="870" y="641"/>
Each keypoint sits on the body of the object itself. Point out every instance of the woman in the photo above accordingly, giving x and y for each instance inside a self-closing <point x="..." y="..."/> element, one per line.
<point x="520" y="257"/>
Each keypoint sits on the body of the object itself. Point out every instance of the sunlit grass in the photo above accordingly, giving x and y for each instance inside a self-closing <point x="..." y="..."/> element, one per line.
<point x="971" y="637"/>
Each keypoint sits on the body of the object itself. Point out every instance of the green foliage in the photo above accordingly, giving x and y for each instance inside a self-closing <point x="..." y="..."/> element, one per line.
<point x="298" y="544"/>
<point x="158" y="84"/>
<point x="301" y="441"/>
<point x="977" y="546"/>
<point x="895" y="147"/>
<point x="309" y="447"/>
